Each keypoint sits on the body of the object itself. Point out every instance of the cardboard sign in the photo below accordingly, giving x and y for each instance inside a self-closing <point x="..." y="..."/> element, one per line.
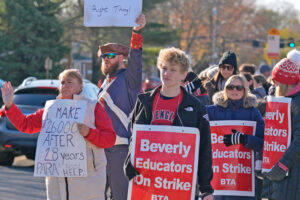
<point x="111" y="13"/>
<point x="61" y="150"/>
<point x="167" y="159"/>
<point x="277" y="130"/>
<point x="233" y="166"/>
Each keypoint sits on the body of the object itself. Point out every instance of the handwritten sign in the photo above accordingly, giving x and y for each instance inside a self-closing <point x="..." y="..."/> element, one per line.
<point x="277" y="130"/>
<point x="61" y="150"/>
<point x="167" y="159"/>
<point x="233" y="166"/>
<point x="111" y="12"/>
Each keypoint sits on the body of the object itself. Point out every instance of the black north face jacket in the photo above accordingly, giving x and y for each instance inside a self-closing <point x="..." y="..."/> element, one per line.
<point x="190" y="113"/>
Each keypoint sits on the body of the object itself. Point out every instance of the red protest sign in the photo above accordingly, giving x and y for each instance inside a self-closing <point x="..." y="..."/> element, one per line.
<point x="277" y="136"/>
<point x="233" y="166"/>
<point x="167" y="159"/>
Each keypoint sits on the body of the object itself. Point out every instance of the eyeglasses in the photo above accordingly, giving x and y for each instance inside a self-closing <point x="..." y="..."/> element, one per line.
<point x="229" y="67"/>
<point x="109" y="55"/>
<point x="237" y="87"/>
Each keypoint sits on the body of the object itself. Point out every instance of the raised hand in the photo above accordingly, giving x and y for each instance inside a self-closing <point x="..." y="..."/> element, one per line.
<point x="7" y="94"/>
<point x="141" y="21"/>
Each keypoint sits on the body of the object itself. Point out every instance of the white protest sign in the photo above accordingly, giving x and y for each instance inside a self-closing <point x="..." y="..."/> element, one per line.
<point x="99" y="13"/>
<point x="61" y="150"/>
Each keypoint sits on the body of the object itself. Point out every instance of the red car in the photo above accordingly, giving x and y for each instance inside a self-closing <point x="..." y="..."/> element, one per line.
<point x="150" y="83"/>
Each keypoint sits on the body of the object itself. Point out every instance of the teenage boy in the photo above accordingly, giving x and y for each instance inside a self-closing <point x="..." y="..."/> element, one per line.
<point x="183" y="110"/>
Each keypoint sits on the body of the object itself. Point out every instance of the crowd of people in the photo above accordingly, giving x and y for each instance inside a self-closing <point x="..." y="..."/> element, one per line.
<point x="220" y="92"/>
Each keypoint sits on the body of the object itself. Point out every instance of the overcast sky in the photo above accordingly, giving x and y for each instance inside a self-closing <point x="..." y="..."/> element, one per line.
<point x="275" y="4"/>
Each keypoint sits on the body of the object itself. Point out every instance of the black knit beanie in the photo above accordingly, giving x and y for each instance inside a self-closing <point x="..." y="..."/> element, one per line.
<point x="229" y="57"/>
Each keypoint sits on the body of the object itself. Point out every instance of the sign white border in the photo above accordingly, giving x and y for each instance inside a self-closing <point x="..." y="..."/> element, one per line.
<point x="111" y="19"/>
<point x="50" y="108"/>
<point x="288" y="101"/>
<point x="163" y="128"/>
<point x="237" y="123"/>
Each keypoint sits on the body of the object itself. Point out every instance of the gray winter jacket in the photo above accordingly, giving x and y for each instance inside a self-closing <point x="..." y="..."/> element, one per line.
<point x="259" y="92"/>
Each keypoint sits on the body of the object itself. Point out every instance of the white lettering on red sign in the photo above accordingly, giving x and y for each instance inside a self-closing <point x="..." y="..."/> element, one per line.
<point x="275" y="116"/>
<point x="167" y="148"/>
<point x="236" y="169"/>
<point x="174" y="184"/>
<point x="274" y="146"/>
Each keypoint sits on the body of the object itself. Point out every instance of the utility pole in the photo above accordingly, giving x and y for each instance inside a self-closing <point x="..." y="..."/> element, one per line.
<point x="48" y="66"/>
<point x="215" y="21"/>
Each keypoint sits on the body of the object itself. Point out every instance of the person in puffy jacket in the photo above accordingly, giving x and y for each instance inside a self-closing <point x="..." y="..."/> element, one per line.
<point x="283" y="181"/>
<point x="97" y="131"/>
<point x="237" y="103"/>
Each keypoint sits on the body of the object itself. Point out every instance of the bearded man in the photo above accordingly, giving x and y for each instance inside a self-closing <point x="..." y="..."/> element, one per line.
<point x="118" y="95"/>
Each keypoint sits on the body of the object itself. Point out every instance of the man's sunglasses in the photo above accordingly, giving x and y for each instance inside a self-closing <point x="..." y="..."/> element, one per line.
<point x="229" y="67"/>
<point x="109" y="55"/>
<point x="237" y="87"/>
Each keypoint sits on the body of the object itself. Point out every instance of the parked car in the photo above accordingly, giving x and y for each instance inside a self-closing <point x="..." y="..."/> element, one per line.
<point x="1" y="85"/>
<point x="30" y="96"/>
<point x="150" y="83"/>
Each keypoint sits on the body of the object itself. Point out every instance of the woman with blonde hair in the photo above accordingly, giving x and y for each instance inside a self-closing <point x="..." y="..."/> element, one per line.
<point x="283" y="181"/>
<point x="97" y="131"/>
<point x="237" y="103"/>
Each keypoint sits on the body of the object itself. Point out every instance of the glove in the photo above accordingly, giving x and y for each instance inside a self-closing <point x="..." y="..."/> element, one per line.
<point x="190" y="76"/>
<point x="277" y="173"/>
<point x="130" y="171"/>
<point x="193" y="86"/>
<point x="235" y="138"/>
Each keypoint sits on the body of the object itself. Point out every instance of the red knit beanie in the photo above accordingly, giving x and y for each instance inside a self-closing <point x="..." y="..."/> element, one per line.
<point x="286" y="71"/>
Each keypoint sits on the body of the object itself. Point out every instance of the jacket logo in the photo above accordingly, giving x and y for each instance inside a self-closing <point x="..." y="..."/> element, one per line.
<point x="189" y="109"/>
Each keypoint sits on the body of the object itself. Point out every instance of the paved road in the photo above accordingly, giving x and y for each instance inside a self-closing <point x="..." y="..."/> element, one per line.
<point x="17" y="182"/>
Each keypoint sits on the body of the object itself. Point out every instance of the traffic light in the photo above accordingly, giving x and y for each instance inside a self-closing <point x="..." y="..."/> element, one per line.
<point x="282" y="43"/>
<point x="255" y="43"/>
<point x="291" y="43"/>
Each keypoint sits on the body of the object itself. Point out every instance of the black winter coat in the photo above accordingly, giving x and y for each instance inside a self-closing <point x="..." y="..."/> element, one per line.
<point x="187" y="117"/>
<point x="289" y="187"/>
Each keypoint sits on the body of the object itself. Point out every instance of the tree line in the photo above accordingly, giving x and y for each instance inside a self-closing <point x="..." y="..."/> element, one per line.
<point x="32" y="30"/>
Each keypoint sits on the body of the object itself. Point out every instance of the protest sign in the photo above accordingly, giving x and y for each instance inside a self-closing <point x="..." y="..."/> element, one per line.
<point x="111" y="13"/>
<point x="277" y="130"/>
<point x="61" y="150"/>
<point x="233" y="166"/>
<point x="167" y="159"/>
